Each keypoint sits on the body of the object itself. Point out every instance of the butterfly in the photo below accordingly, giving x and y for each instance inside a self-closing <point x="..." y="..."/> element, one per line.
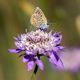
<point x="38" y="19"/>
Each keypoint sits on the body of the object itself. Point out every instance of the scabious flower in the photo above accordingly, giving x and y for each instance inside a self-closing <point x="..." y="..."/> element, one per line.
<point x="38" y="43"/>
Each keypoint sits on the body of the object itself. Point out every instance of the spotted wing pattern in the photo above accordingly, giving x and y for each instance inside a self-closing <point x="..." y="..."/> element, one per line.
<point x="38" y="18"/>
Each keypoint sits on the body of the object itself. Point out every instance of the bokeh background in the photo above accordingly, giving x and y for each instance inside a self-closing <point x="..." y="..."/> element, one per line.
<point x="62" y="15"/>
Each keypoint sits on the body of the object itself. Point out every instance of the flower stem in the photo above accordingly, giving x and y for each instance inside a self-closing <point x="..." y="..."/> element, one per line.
<point x="33" y="77"/>
<point x="36" y="69"/>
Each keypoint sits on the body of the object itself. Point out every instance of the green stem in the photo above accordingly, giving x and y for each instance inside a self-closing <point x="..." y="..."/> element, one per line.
<point x="33" y="77"/>
<point x="36" y="69"/>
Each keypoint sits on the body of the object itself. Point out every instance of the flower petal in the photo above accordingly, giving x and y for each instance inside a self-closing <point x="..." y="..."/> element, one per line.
<point x="24" y="60"/>
<point x="43" y="51"/>
<point x="40" y="64"/>
<point x="55" y="60"/>
<point x="60" y="64"/>
<point x="29" y="52"/>
<point x="30" y="65"/>
<point x="14" y="50"/>
<point x="57" y="38"/>
<point x="58" y="48"/>
<point x="52" y="59"/>
<point x="19" y="45"/>
<point x="30" y="57"/>
<point x="55" y="55"/>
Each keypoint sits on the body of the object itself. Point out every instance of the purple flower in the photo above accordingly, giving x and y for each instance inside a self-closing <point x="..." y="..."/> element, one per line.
<point x="36" y="44"/>
<point x="71" y="59"/>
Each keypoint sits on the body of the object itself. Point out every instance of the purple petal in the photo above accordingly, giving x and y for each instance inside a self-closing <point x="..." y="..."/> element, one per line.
<point x="30" y="57"/>
<point x="59" y="64"/>
<point x="24" y="60"/>
<point x="18" y="38"/>
<point x="56" y="34"/>
<point x="43" y="51"/>
<point x="58" y="48"/>
<point x="55" y="60"/>
<point x="29" y="52"/>
<point x="14" y="50"/>
<point x="53" y="56"/>
<point x="55" y="49"/>
<point x="30" y="65"/>
<point x="57" y="38"/>
<point x="52" y="59"/>
<point x="19" y="45"/>
<point x="56" y="56"/>
<point x="40" y="64"/>
<point x="35" y="51"/>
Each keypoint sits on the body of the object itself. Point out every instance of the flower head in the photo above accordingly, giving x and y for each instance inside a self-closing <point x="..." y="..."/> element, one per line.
<point x="36" y="44"/>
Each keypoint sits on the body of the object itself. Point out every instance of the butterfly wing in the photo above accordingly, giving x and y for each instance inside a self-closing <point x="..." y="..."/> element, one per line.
<point x="38" y="18"/>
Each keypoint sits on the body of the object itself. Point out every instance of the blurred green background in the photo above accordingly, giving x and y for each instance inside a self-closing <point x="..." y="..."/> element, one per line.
<point x="62" y="15"/>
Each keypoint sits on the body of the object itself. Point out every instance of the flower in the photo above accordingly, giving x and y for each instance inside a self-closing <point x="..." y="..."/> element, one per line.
<point x="71" y="59"/>
<point x="36" y="44"/>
